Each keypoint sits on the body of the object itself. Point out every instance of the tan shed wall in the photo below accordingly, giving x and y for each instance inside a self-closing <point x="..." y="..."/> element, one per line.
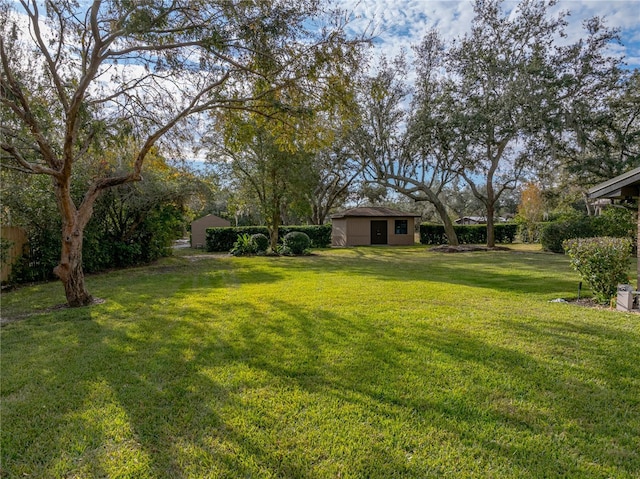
<point x="359" y="231"/>
<point x="339" y="232"/>
<point x="402" y="240"/>
<point x="19" y="239"/>
<point x="199" y="229"/>
<point x="356" y="231"/>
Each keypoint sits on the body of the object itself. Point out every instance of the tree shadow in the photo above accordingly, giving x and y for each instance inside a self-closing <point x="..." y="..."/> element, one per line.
<point x="506" y="271"/>
<point x="268" y="392"/>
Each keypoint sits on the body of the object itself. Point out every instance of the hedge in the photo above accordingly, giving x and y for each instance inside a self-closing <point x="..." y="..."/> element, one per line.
<point x="222" y="239"/>
<point x="431" y="233"/>
<point x="613" y="222"/>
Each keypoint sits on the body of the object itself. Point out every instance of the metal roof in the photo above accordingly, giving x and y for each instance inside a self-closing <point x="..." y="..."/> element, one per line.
<point x="623" y="186"/>
<point x="373" y="211"/>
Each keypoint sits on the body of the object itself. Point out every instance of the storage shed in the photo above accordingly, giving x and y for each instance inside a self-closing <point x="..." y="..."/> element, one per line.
<point x="199" y="229"/>
<point x="373" y="225"/>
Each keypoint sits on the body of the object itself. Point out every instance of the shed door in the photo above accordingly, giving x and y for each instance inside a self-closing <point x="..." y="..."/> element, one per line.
<point x="378" y="231"/>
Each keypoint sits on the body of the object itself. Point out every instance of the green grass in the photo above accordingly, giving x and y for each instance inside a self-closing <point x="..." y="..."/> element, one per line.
<point x="353" y="363"/>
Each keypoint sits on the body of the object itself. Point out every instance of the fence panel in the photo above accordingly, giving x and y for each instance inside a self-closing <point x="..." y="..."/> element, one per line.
<point x="17" y="238"/>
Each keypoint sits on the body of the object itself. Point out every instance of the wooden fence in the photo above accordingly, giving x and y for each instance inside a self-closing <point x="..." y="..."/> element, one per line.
<point x="18" y="239"/>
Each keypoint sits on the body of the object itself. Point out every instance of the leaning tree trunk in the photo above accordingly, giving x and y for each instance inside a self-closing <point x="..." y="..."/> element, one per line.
<point x="449" y="230"/>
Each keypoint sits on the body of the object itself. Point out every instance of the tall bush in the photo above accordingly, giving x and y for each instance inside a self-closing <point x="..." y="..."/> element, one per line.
<point x="601" y="262"/>
<point x="122" y="232"/>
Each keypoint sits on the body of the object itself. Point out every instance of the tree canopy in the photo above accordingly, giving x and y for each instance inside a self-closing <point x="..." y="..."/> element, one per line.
<point x="78" y="78"/>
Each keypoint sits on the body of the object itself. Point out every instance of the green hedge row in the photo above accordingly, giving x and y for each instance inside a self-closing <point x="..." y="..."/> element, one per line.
<point x="614" y="222"/>
<point x="222" y="239"/>
<point x="431" y="233"/>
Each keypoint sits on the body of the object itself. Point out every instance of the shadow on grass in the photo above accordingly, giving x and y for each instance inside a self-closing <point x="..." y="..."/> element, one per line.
<point x="481" y="393"/>
<point x="143" y="286"/>
<point x="300" y="392"/>
<point x="506" y="271"/>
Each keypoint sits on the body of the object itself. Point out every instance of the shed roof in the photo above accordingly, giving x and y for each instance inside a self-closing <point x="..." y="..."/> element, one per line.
<point x="209" y="220"/>
<point x="372" y="211"/>
<point x="622" y="186"/>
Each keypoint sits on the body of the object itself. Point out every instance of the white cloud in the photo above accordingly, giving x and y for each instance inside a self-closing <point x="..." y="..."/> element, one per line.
<point x="399" y="24"/>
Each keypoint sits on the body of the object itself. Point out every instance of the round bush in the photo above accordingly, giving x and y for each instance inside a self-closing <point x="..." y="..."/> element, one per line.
<point x="296" y="242"/>
<point x="602" y="262"/>
<point x="260" y="242"/>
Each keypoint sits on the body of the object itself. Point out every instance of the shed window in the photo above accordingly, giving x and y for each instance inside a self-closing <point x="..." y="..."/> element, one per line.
<point x="401" y="227"/>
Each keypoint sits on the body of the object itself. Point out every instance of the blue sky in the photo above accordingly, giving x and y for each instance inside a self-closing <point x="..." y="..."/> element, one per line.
<point x="402" y="23"/>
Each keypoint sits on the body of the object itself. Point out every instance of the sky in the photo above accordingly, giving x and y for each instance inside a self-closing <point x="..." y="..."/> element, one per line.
<point x="399" y="24"/>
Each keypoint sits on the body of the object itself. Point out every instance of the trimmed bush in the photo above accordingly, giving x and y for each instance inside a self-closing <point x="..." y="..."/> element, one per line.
<point x="296" y="242"/>
<point x="222" y="239"/>
<point x="505" y="232"/>
<point x="431" y="233"/>
<point x="601" y="262"/>
<point x="260" y="242"/>
<point x="320" y="235"/>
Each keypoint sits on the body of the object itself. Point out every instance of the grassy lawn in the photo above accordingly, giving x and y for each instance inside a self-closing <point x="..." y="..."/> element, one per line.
<point x="353" y="363"/>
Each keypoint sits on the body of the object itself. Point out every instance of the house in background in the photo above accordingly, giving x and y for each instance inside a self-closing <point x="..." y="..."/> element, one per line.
<point x="199" y="229"/>
<point x="477" y="220"/>
<point x="373" y="225"/>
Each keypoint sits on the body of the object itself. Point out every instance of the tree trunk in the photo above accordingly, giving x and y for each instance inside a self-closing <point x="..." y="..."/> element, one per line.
<point x="491" y="233"/>
<point x="452" y="237"/>
<point x="274" y="230"/>
<point x="638" y="248"/>
<point x="70" y="268"/>
<point x="73" y="223"/>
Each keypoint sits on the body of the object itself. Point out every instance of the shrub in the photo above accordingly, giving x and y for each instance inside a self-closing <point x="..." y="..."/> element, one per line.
<point x="320" y="235"/>
<point x="260" y="242"/>
<point x="468" y="234"/>
<point x="613" y="222"/>
<point x="555" y="233"/>
<point x="296" y="242"/>
<point x="531" y="233"/>
<point x="40" y="256"/>
<point x="431" y="233"/>
<point x="505" y="232"/>
<point x="471" y="234"/>
<point x="222" y="238"/>
<point x="616" y="222"/>
<point x="601" y="262"/>
<point x="243" y="246"/>
<point x="5" y="246"/>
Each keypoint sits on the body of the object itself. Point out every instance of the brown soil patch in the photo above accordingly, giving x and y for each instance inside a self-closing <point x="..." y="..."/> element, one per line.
<point x="12" y="319"/>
